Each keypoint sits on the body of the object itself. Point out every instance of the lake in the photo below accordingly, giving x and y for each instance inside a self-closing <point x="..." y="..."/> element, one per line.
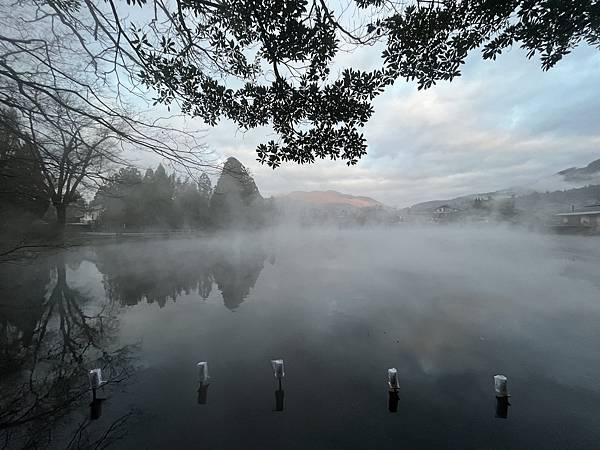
<point x="448" y="307"/>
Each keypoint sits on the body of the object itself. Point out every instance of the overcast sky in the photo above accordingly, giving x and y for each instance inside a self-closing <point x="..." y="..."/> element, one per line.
<point x="503" y="123"/>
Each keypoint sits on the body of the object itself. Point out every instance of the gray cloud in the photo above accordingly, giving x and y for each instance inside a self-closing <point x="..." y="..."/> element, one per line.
<point x="502" y="124"/>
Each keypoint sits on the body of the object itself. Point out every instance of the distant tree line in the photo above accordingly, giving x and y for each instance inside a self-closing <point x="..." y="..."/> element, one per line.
<point x="128" y="201"/>
<point x="131" y="201"/>
<point x="46" y="174"/>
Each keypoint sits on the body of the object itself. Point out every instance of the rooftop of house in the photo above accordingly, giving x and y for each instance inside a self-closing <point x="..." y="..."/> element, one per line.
<point x="580" y="213"/>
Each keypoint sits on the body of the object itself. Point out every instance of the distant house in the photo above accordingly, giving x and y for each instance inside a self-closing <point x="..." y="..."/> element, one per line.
<point x="588" y="221"/>
<point x="445" y="213"/>
<point x="91" y="214"/>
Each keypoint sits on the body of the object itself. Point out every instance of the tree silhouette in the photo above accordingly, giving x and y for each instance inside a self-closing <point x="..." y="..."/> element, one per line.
<point x="23" y="197"/>
<point x="71" y="151"/>
<point x="236" y="201"/>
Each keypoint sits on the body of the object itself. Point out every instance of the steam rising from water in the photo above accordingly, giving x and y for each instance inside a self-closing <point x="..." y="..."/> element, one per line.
<point x="449" y="307"/>
<point x="437" y="290"/>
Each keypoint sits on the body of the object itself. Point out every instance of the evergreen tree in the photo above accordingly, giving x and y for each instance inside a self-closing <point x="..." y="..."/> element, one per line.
<point x="157" y="195"/>
<point x="236" y="201"/>
<point x="23" y="197"/>
<point x="119" y="201"/>
<point x="128" y="201"/>
<point x="190" y="208"/>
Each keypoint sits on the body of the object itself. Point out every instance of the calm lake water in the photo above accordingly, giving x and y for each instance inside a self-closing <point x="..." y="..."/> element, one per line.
<point x="448" y="307"/>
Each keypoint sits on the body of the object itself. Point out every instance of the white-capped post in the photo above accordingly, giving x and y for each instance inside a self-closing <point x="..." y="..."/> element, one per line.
<point x="95" y="377"/>
<point x="393" y="379"/>
<point x="203" y="371"/>
<point x="278" y="369"/>
<point x="500" y="386"/>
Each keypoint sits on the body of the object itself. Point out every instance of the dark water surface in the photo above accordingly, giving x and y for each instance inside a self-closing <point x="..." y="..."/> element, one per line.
<point x="449" y="308"/>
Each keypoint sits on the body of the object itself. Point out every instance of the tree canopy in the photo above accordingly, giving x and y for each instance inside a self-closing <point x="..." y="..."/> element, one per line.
<point x="273" y="62"/>
<point x="127" y="201"/>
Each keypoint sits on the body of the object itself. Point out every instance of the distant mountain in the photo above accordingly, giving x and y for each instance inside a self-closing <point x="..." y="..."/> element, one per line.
<point x="587" y="173"/>
<point x="533" y="205"/>
<point x="331" y="198"/>
<point x="573" y="177"/>
<point x="332" y="208"/>
<point x="569" y="179"/>
<point x="457" y="202"/>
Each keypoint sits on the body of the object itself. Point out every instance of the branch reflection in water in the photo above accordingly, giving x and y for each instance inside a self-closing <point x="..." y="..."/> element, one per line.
<point x="51" y="334"/>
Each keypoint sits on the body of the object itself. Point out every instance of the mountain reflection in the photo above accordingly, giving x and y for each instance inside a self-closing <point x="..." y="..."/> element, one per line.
<point x="163" y="271"/>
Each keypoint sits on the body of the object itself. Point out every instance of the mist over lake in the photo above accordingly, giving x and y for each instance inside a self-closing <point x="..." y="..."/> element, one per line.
<point x="449" y="307"/>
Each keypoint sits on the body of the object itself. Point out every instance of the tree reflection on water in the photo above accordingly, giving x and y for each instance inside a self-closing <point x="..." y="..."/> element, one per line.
<point x="51" y="334"/>
<point x="163" y="271"/>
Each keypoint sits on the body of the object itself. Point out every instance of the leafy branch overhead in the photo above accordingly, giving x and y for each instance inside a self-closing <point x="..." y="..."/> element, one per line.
<point x="273" y="62"/>
<point x="315" y="114"/>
